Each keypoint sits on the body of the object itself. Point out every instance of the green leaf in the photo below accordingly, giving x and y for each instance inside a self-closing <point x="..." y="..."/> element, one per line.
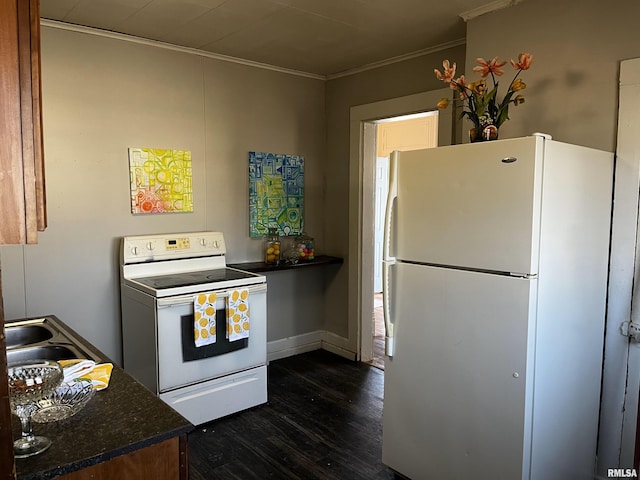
<point x="502" y="115"/>
<point x="491" y="96"/>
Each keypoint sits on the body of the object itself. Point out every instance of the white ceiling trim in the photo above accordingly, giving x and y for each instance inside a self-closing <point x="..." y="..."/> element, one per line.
<point x="489" y="7"/>
<point x="399" y="58"/>
<point x="250" y="63"/>
<point x="169" y="46"/>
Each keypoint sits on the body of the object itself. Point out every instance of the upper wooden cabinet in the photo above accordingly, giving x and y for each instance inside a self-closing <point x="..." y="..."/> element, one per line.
<point x="22" y="191"/>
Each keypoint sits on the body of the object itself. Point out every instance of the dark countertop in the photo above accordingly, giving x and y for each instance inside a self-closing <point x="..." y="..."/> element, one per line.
<point x="118" y="420"/>
<point x="261" y="267"/>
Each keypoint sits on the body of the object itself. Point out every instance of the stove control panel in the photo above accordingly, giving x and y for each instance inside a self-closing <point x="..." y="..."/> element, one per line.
<point x="183" y="243"/>
<point x="149" y="248"/>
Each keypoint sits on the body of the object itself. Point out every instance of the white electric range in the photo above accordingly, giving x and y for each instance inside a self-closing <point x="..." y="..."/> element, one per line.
<point x="160" y="277"/>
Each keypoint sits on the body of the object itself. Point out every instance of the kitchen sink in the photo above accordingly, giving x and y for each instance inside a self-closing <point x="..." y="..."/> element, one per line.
<point x="27" y="335"/>
<point x="46" y="338"/>
<point x="45" y="352"/>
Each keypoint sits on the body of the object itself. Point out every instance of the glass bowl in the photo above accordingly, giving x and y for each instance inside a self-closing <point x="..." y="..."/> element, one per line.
<point x="66" y="400"/>
<point x="29" y="382"/>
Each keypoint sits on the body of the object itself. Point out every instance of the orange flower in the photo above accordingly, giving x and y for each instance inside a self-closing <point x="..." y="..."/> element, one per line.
<point x="480" y="102"/>
<point x="485" y="68"/>
<point x="518" y="85"/>
<point x="449" y="72"/>
<point x="478" y="87"/>
<point x="524" y="61"/>
<point x="460" y="84"/>
<point x="443" y="103"/>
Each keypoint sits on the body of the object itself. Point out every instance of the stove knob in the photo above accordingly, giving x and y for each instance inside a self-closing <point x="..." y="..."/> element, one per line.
<point x="216" y="244"/>
<point x="203" y="242"/>
<point x="149" y="246"/>
<point x="134" y="250"/>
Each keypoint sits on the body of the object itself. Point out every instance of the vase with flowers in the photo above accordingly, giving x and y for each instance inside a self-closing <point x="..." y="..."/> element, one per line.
<point x="481" y="104"/>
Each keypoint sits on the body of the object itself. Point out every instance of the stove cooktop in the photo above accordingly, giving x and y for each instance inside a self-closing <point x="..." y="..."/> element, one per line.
<point x="187" y="279"/>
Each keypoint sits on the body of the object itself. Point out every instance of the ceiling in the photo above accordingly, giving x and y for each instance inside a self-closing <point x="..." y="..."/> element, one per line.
<point x="321" y="37"/>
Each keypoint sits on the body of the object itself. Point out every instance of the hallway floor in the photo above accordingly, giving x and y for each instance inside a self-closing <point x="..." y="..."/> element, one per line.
<point x="378" y="333"/>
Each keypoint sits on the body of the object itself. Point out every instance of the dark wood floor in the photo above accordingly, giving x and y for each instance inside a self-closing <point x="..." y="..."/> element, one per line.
<point x="323" y="421"/>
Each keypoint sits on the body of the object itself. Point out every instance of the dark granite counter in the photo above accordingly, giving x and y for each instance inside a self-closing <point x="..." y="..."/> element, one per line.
<point x="118" y="420"/>
<point x="261" y="267"/>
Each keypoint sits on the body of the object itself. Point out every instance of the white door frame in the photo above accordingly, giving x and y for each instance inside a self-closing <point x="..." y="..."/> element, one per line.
<point x="621" y="373"/>
<point x="361" y="192"/>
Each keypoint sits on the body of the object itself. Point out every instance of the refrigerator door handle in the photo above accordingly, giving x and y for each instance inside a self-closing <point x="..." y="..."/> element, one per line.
<point x="389" y="325"/>
<point x="387" y="260"/>
<point x="392" y="195"/>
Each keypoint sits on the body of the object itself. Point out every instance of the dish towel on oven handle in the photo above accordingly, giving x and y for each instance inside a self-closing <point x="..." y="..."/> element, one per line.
<point x="238" y="324"/>
<point x="204" y="319"/>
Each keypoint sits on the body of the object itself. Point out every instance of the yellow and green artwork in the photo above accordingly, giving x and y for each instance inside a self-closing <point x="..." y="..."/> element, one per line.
<point x="161" y="180"/>
<point x="276" y="193"/>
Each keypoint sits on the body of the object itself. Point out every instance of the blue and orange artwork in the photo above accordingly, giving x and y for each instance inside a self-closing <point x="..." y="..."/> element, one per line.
<point x="161" y="181"/>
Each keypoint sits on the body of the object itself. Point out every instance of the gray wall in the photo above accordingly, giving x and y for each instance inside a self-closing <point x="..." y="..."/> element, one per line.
<point x="102" y="95"/>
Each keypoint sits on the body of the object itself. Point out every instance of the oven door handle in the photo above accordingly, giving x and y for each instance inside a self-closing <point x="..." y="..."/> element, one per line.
<point x="165" y="302"/>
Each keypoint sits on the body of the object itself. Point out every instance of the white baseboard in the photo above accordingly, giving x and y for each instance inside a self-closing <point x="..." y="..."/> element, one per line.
<point x="307" y="342"/>
<point x="338" y="345"/>
<point x="289" y="346"/>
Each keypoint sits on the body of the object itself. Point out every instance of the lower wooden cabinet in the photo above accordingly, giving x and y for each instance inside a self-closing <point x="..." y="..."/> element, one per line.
<point x="167" y="460"/>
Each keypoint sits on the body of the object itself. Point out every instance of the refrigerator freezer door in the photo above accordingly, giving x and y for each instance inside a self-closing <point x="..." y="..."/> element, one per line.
<point x="456" y="390"/>
<point x="474" y="205"/>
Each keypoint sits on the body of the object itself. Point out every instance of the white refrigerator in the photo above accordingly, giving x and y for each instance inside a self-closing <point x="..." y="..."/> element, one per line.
<point x="495" y="280"/>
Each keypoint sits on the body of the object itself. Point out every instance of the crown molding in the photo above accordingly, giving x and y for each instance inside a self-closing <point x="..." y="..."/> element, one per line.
<point x="487" y="8"/>
<point x="169" y="46"/>
<point x="226" y="58"/>
<point x="399" y="58"/>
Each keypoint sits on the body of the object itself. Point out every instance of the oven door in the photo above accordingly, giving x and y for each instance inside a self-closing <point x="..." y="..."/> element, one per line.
<point x="181" y="363"/>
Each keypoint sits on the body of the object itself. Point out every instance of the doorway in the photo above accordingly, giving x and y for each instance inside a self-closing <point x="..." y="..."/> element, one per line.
<point x="361" y="200"/>
<point x="405" y="132"/>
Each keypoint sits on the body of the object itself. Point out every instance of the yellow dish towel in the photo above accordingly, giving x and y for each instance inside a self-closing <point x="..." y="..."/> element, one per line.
<point x="204" y="319"/>
<point x="80" y="368"/>
<point x="238" y="314"/>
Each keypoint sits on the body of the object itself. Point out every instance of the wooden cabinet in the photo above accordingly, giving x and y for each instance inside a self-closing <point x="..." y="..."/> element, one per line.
<point x="22" y="190"/>
<point x="163" y="461"/>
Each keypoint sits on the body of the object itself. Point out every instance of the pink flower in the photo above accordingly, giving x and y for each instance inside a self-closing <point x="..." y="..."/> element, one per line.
<point x="460" y="84"/>
<point x="524" y="61"/>
<point x="449" y="72"/>
<point x="485" y="68"/>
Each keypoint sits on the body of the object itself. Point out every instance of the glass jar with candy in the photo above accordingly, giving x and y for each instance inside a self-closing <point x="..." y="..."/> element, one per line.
<point x="305" y="248"/>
